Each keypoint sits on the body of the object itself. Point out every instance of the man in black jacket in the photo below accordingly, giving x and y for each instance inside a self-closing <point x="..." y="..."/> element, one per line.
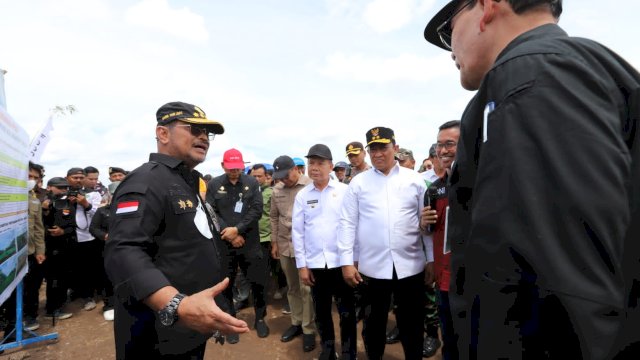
<point x="58" y="217"/>
<point x="237" y="200"/>
<point x="99" y="228"/>
<point x="545" y="192"/>
<point x="162" y="254"/>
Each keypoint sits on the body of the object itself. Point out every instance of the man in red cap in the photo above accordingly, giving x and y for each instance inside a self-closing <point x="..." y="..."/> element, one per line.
<point x="237" y="201"/>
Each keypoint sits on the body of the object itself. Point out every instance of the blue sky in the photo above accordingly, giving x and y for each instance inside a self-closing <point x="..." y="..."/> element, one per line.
<point x="280" y="75"/>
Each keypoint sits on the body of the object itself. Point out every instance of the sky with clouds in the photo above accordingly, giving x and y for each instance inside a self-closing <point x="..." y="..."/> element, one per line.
<point x="281" y="75"/>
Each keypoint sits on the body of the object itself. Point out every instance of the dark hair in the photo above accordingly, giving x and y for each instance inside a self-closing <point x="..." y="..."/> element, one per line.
<point x="91" y="170"/>
<point x="261" y="166"/>
<point x="449" y="125"/>
<point x="37" y="167"/>
<point x="522" y="6"/>
<point x="207" y="177"/>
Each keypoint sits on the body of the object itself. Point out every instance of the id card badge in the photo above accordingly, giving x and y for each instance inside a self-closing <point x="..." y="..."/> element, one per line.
<point x="238" y="207"/>
<point x="447" y="245"/>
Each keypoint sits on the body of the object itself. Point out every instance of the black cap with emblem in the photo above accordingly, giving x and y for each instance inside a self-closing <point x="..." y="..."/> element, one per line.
<point x="380" y="135"/>
<point x="188" y="113"/>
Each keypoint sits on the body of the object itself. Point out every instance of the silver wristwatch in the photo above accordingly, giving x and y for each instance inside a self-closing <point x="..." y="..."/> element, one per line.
<point x="169" y="314"/>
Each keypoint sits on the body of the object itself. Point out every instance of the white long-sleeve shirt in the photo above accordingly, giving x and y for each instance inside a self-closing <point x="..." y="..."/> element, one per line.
<point x="83" y="218"/>
<point x="315" y="223"/>
<point x="381" y="215"/>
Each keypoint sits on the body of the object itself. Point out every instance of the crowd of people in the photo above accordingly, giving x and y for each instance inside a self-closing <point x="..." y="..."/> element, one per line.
<point x="497" y="247"/>
<point x="68" y="226"/>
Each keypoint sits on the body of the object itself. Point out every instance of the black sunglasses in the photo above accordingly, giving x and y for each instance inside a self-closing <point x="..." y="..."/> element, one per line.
<point x="444" y="30"/>
<point x="199" y="130"/>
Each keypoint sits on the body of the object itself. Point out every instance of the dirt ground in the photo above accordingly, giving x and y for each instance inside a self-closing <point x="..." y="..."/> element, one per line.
<point x="88" y="336"/>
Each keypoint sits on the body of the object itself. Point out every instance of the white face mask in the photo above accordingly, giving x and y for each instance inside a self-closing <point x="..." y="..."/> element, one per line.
<point x="31" y="184"/>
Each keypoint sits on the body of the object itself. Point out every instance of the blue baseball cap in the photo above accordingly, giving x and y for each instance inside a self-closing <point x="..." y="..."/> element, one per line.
<point x="298" y="161"/>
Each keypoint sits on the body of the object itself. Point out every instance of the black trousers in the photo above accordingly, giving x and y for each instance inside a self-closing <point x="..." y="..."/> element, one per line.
<point x="106" y="284"/>
<point x="329" y="283"/>
<point x="408" y="294"/>
<point x="254" y="266"/>
<point x="88" y="267"/>
<point x="32" y="283"/>
<point x="449" y="346"/>
<point x="525" y="321"/>
<point x="58" y="275"/>
<point x="138" y="335"/>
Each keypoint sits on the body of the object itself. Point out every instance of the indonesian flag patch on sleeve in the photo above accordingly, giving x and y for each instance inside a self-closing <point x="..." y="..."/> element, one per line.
<point x="127" y="207"/>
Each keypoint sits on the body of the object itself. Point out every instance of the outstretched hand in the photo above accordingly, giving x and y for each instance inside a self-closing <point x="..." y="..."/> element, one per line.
<point x="201" y="313"/>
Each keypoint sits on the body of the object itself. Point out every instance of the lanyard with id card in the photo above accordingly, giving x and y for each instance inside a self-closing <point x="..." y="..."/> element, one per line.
<point x="238" y="207"/>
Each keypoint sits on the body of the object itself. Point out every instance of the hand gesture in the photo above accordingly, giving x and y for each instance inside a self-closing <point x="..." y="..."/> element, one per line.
<point x="201" y="313"/>
<point x="274" y="250"/>
<point x="429" y="274"/>
<point x="55" y="231"/>
<point x="351" y="275"/>
<point x="306" y="276"/>
<point x="237" y="242"/>
<point x="427" y="217"/>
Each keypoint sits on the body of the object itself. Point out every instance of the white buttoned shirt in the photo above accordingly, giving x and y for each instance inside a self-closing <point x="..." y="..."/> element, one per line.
<point x="381" y="216"/>
<point x="315" y="223"/>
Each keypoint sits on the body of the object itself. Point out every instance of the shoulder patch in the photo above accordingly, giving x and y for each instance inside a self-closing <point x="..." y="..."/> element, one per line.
<point x="127" y="207"/>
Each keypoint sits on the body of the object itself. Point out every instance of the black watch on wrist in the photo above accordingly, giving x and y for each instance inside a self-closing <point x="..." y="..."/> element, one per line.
<point x="169" y="314"/>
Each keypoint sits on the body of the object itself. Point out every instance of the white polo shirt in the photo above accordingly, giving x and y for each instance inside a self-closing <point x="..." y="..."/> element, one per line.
<point x="315" y="220"/>
<point x="381" y="216"/>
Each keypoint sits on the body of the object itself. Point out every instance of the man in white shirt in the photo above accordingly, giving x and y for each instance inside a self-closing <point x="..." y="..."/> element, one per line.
<point x="281" y="214"/>
<point x="380" y="217"/>
<point x="316" y="214"/>
<point x="87" y="262"/>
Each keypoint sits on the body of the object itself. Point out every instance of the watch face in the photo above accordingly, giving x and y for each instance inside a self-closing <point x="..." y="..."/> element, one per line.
<point x="166" y="318"/>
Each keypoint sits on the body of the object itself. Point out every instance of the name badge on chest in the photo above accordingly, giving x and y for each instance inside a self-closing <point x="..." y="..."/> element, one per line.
<point x="238" y="207"/>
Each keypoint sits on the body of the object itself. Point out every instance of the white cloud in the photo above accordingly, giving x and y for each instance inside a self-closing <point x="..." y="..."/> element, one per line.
<point x="388" y="15"/>
<point x="382" y="16"/>
<point x="405" y="67"/>
<point x="85" y="10"/>
<point x="158" y="15"/>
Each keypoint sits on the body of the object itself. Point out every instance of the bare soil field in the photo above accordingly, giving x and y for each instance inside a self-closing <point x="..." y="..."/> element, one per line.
<point x="88" y="336"/>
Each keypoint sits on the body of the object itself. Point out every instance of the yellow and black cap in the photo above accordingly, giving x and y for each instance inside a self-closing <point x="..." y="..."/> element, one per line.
<point x="354" y="147"/>
<point x="380" y="135"/>
<point x="188" y="113"/>
<point x="115" y="170"/>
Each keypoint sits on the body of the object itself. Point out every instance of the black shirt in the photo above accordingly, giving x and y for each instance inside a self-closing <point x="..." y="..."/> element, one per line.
<point x="545" y="188"/>
<point x="154" y="242"/>
<point x="60" y="213"/>
<point x="99" y="227"/>
<point x="225" y="197"/>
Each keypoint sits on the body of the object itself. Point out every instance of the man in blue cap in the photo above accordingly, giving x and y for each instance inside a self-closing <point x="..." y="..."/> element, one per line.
<point x="340" y="170"/>
<point x="300" y="165"/>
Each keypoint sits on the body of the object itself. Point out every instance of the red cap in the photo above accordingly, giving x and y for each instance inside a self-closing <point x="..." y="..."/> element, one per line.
<point x="232" y="159"/>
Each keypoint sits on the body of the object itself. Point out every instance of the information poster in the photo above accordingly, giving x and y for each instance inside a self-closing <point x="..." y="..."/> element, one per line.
<point x="14" y="143"/>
